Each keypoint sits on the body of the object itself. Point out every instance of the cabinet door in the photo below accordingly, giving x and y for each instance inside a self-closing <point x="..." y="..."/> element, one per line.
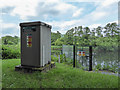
<point x="30" y="46"/>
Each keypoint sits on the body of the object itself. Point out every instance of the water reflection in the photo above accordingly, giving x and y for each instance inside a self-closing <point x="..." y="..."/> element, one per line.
<point x="104" y="59"/>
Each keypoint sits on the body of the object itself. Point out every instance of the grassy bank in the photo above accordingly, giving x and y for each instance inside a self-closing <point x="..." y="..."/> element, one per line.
<point x="0" y="74"/>
<point x="63" y="76"/>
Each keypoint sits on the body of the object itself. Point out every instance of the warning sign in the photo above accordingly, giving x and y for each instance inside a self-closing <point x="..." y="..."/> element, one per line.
<point x="81" y="53"/>
<point x="29" y="40"/>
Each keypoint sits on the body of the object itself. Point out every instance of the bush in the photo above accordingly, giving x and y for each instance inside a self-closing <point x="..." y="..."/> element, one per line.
<point x="10" y="51"/>
<point x="69" y="61"/>
<point x="62" y="58"/>
<point x="114" y="68"/>
<point x="106" y="67"/>
<point x="98" y="66"/>
<point x="54" y="59"/>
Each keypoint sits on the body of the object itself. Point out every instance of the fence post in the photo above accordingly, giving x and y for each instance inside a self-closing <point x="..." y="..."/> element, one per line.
<point x="59" y="58"/>
<point x="90" y="58"/>
<point x="73" y="55"/>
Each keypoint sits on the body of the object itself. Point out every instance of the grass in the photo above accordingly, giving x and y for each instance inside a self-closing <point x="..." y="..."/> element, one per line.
<point x="0" y="74"/>
<point x="63" y="76"/>
<point x="56" y="46"/>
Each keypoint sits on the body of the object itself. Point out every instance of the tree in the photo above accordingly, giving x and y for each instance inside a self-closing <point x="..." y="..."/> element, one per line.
<point x="113" y="29"/>
<point x="80" y="31"/>
<point x="107" y="30"/>
<point x="54" y="37"/>
<point x="69" y="36"/>
<point x="10" y="40"/>
<point x="98" y="31"/>
<point x="86" y="35"/>
<point x="59" y="41"/>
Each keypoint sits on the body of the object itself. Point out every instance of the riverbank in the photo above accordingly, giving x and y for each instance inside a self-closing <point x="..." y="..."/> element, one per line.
<point x="63" y="76"/>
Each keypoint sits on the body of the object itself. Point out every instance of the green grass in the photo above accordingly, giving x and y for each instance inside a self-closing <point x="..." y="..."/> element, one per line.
<point x="63" y="76"/>
<point x="56" y="46"/>
<point x="0" y="74"/>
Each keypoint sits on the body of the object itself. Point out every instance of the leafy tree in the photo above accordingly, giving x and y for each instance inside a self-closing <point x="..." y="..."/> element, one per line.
<point x="59" y="41"/>
<point x="111" y="29"/>
<point x="86" y="36"/>
<point x="54" y="37"/>
<point x="10" y="40"/>
<point x="69" y="36"/>
<point x="98" y="31"/>
<point x="107" y="30"/>
<point x="80" y="31"/>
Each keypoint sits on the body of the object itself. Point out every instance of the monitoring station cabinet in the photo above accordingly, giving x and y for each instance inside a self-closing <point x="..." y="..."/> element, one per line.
<point x="35" y="44"/>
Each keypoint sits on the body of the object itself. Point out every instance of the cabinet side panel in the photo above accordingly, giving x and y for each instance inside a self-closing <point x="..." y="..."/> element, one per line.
<point x="41" y="47"/>
<point x="46" y="44"/>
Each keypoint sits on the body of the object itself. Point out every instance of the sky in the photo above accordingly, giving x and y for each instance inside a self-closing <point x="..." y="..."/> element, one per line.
<point x="61" y="14"/>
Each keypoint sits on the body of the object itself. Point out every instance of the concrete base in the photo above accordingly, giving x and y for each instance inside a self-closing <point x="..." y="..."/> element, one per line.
<point x="28" y="69"/>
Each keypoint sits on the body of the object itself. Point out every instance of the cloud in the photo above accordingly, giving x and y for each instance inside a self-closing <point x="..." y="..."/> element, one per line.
<point x="78" y="12"/>
<point x="9" y="29"/>
<point x="87" y="0"/>
<point x="94" y="26"/>
<point x="22" y="8"/>
<point x="98" y="15"/>
<point x="60" y="14"/>
<point x="102" y="13"/>
<point x="8" y="25"/>
<point x="50" y="10"/>
<point x="115" y="21"/>
<point x="7" y="9"/>
<point x="107" y="3"/>
<point x="36" y="8"/>
<point x="63" y="26"/>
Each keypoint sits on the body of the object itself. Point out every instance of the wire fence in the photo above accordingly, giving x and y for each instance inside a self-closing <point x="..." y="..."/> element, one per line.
<point x="102" y="57"/>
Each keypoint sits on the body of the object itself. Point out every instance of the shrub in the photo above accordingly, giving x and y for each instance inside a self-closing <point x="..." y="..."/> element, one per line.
<point x="114" y="68"/>
<point x="54" y="59"/>
<point x="10" y="51"/>
<point x="98" y="66"/>
<point x="69" y="61"/>
<point x="62" y="58"/>
<point x="106" y="67"/>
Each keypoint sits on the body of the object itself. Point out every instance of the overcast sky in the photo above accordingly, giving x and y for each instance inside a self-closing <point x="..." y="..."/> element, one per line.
<point x="61" y="14"/>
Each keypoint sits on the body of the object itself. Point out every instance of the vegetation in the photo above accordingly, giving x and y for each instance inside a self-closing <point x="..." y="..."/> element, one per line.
<point x="54" y="37"/>
<point x="54" y="59"/>
<point x="104" y="37"/>
<point x="10" y="47"/>
<point x="10" y="51"/>
<point x="9" y="40"/>
<point x="82" y="36"/>
<point x="56" y="50"/>
<point x="63" y="76"/>
<point x="0" y="74"/>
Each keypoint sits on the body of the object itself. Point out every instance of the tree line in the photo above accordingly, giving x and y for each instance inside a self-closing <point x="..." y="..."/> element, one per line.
<point x="106" y="38"/>
<point x="84" y="36"/>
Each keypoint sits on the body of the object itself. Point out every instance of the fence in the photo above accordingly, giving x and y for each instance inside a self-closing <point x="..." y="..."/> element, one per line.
<point x="102" y="57"/>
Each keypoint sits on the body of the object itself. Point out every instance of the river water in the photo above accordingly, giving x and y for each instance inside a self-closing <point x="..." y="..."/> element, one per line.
<point x="102" y="58"/>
